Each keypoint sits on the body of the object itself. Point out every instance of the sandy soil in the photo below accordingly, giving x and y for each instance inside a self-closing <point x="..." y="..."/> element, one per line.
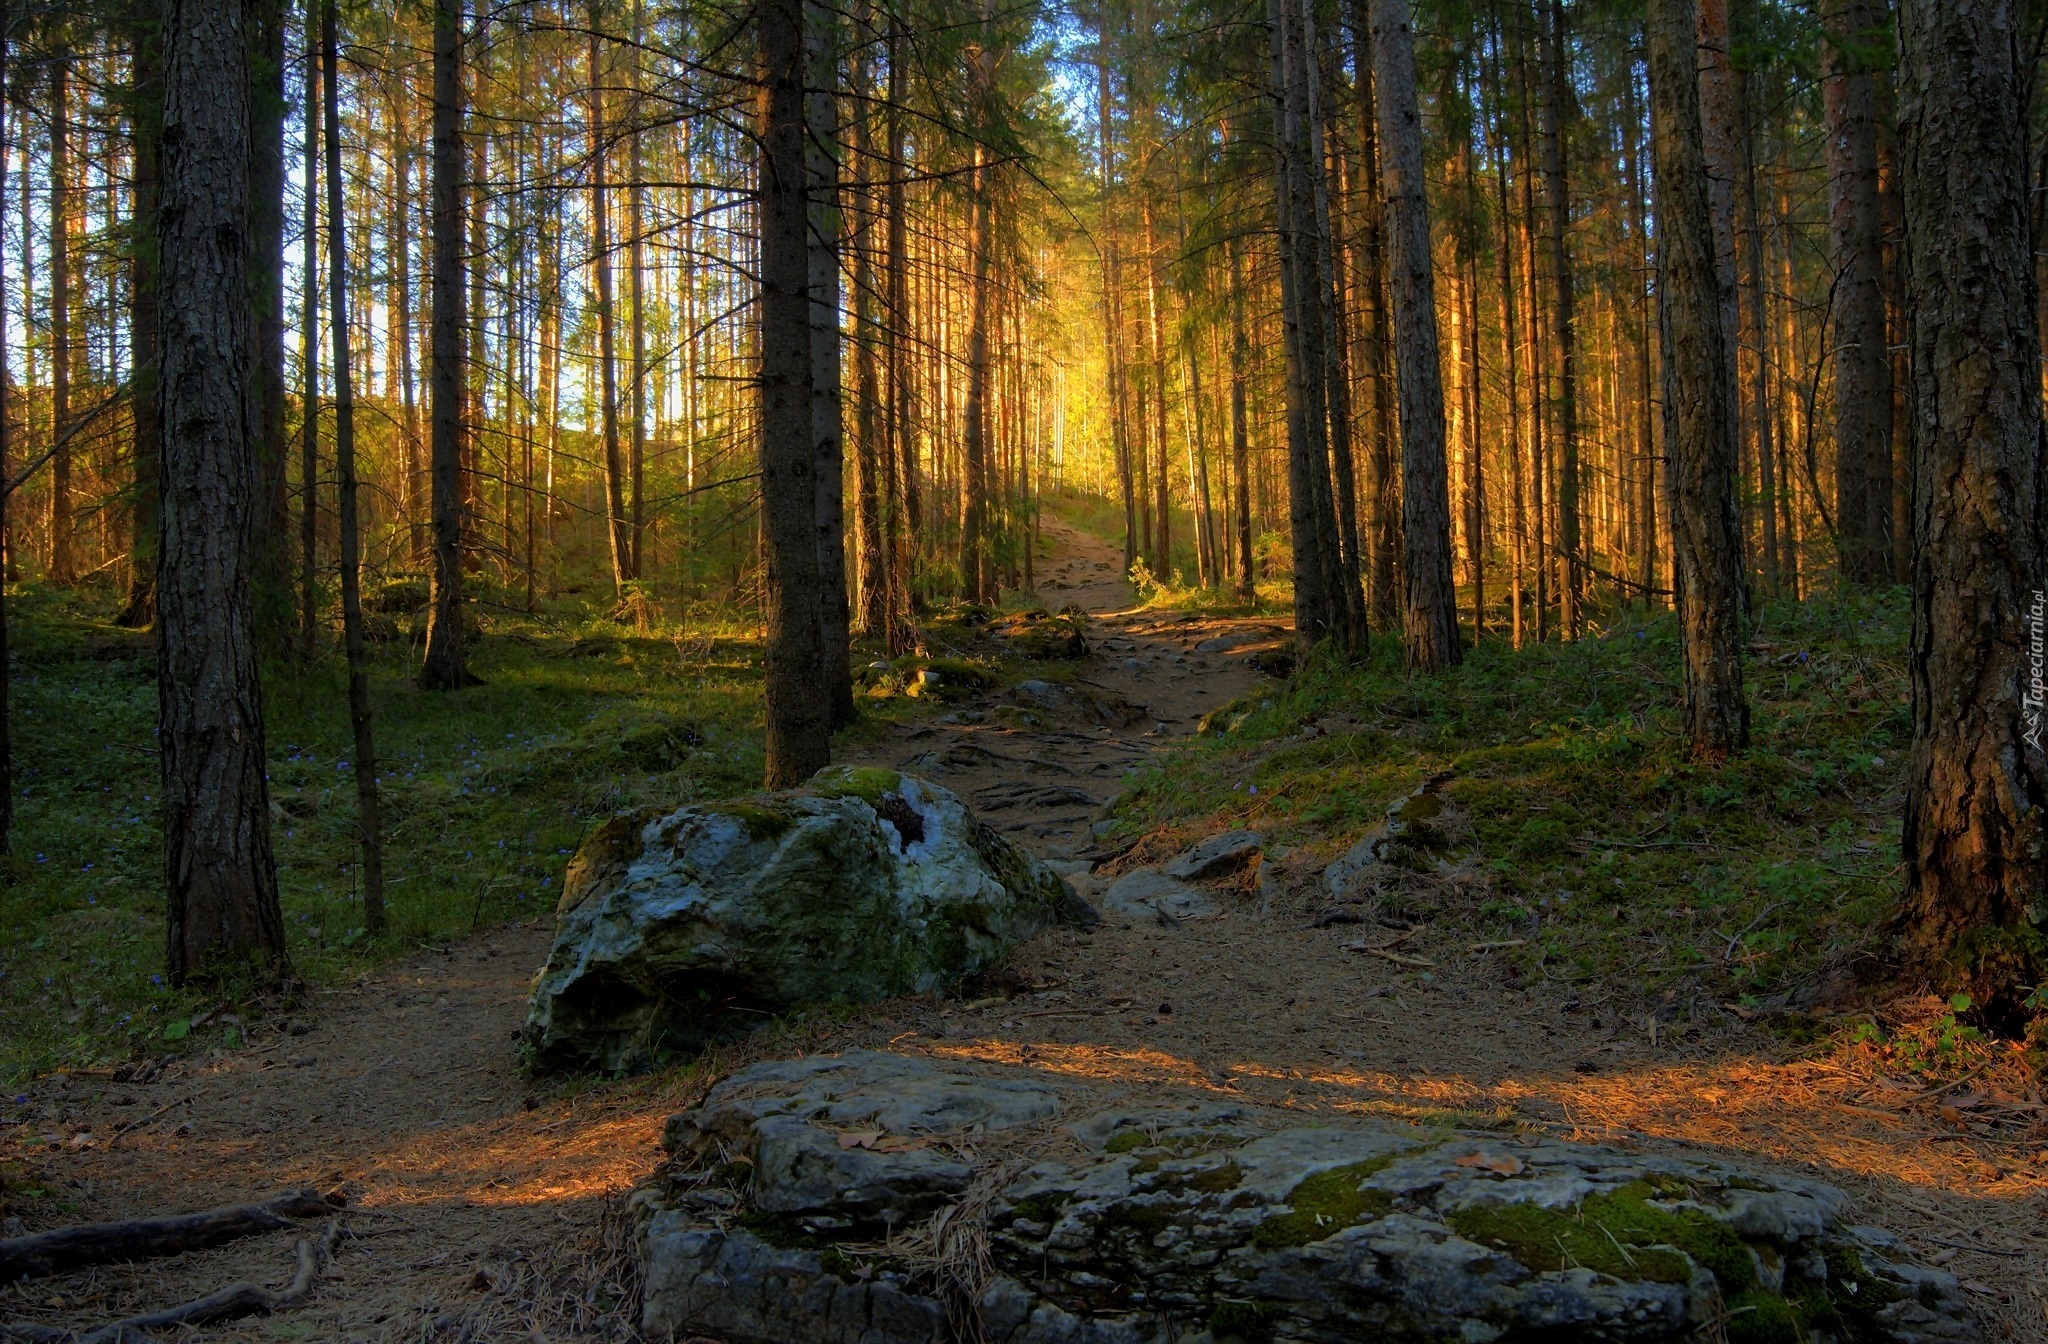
<point x="486" y="1206"/>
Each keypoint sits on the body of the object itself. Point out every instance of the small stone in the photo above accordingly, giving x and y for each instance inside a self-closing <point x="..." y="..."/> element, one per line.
<point x="1221" y="853"/>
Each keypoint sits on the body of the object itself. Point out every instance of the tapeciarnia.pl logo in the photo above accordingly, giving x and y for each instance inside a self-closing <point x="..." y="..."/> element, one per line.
<point x="2032" y="695"/>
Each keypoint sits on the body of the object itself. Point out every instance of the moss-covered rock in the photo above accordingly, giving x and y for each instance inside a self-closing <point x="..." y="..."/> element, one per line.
<point x="676" y="930"/>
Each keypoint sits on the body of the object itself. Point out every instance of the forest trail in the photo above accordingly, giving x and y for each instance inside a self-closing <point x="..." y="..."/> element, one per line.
<point x="484" y="1206"/>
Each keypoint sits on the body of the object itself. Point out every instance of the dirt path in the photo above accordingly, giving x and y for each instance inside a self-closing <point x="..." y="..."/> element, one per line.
<point x="485" y="1205"/>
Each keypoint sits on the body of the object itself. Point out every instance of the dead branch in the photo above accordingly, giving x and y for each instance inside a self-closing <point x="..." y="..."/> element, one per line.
<point x="65" y="1248"/>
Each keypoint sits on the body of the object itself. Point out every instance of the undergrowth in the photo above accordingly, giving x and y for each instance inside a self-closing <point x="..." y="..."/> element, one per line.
<point x="1601" y="850"/>
<point x="486" y="793"/>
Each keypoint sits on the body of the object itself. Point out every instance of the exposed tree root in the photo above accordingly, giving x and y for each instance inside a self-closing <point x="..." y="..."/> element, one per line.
<point x="65" y="1248"/>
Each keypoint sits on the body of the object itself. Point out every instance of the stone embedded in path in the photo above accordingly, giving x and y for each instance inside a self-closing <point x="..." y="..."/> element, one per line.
<point x="678" y="929"/>
<point x="1221" y="853"/>
<point x="1148" y="894"/>
<point x="1205" y="1223"/>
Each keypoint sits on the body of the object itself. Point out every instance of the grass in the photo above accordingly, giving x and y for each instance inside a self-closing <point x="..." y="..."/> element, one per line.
<point x="1601" y="847"/>
<point x="486" y="793"/>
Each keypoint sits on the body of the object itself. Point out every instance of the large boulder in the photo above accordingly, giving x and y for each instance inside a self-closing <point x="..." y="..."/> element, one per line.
<point x="880" y="1199"/>
<point x="675" y="929"/>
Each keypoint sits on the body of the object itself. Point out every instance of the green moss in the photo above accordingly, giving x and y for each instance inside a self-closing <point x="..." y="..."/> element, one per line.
<point x="869" y="783"/>
<point x="1758" y="1317"/>
<point x="764" y="821"/>
<point x="1038" y="1208"/>
<point x="1127" y="1140"/>
<point x="1621" y="1233"/>
<point x="1146" y="1219"/>
<point x="1325" y="1204"/>
<point x="1246" y="1322"/>
<point x="784" y="1231"/>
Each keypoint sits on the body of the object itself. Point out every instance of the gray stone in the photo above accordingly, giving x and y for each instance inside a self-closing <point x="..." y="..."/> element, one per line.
<point x="1148" y="894"/>
<point x="1042" y="693"/>
<point x="1223" y="852"/>
<point x="1208" y="1222"/>
<point x="678" y="929"/>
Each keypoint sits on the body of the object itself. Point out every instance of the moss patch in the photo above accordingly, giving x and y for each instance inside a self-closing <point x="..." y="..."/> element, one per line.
<point x="1325" y="1204"/>
<point x="1621" y="1234"/>
<point x="764" y="821"/>
<point x="1127" y="1140"/>
<point x="869" y="783"/>
<point x="1246" y="1322"/>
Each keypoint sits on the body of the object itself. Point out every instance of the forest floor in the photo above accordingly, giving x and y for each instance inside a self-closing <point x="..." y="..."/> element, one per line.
<point x="487" y="1205"/>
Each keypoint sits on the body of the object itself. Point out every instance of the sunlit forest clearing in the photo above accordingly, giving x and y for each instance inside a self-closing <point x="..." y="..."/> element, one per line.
<point x="1342" y="624"/>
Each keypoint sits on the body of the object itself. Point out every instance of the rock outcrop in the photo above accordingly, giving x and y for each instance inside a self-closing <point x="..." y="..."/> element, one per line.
<point x="677" y="929"/>
<point x="880" y="1199"/>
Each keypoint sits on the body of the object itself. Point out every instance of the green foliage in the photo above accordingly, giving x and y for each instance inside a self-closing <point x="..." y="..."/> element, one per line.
<point x="1622" y="1233"/>
<point x="486" y="794"/>
<point x="1605" y="847"/>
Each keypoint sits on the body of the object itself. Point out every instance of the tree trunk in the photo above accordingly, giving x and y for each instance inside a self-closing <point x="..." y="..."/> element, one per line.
<point x="821" y="175"/>
<point x="1863" y="460"/>
<point x="364" y="761"/>
<point x="616" y="532"/>
<point x="1382" y="487"/>
<point x="220" y="878"/>
<point x="1699" y="429"/>
<point x="1976" y="826"/>
<point x="147" y="95"/>
<point x="446" y="666"/>
<point x="900" y="488"/>
<point x="6" y="454"/>
<point x="1240" y="434"/>
<point x="636" y="294"/>
<point x="870" y="447"/>
<point x="799" y="741"/>
<point x="1430" y="617"/>
<point x="265" y="73"/>
<point x="1553" y="107"/>
<point x="309" y="391"/>
<point x="63" y="563"/>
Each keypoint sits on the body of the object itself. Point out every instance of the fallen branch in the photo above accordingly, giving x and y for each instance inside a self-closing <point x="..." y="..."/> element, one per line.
<point x="237" y="1299"/>
<point x="141" y="1238"/>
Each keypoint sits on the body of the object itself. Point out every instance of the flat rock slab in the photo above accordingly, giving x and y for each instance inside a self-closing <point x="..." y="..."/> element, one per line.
<point x="1204" y="1223"/>
<point x="1224" y="852"/>
<point x="1146" y="894"/>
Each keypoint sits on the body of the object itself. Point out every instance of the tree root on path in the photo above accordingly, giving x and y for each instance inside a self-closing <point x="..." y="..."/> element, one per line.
<point x="65" y="1248"/>
<point x="237" y="1299"/>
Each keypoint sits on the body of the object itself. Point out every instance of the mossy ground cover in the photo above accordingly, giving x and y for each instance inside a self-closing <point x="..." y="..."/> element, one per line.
<point x="1606" y="852"/>
<point x="487" y="792"/>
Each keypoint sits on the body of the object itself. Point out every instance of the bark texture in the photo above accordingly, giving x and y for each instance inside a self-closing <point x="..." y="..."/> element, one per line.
<point x="1976" y="828"/>
<point x="1699" y="421"/>
<point x="446" y="665"/>
<point x="799" y="726"/>
<point x="1430" y="618"/>
<point x="220" y="878"/>
<point x="1863" y="393"/>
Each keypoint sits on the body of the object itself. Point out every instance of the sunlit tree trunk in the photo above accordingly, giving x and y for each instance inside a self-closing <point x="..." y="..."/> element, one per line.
<point x="1563" y="334"/>
<point x="821" y="173"/>
<point x="1699" y="429"/>
<point x="616" y="524"/>
<point x="1240" y="433"/>
<point x="63" y="563"/>
<point x="1430" y="617"/>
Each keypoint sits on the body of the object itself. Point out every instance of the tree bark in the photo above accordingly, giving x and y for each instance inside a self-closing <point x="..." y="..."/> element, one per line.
<point x="1430" y="616"/>
<point x="828" y="416"/>
<point x="364" y="761"/>
<point x="309" y="391"/>
<point x="220" y="878"/>
<point x="799" y="739"/>
<point x="1553" y="108"/>
<point x="1240" y="433"/>
<point x="1976" y="824"/>
<point x="1699" y="429"/>
<point x="1863" y="459"/>
<point x="147" y="127"/>
<point x="636" y="287"/>
<point x="63" y="563"/>
<point x="265" y="74"/>
<point x="446" y="665"/>
<point x="616" y="533"/>
<point x="6" y="454"/>
<point x="1382" y="483"/>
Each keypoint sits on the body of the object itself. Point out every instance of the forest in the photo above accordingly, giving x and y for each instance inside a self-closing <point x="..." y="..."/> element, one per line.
<point x="1336" y="589"/>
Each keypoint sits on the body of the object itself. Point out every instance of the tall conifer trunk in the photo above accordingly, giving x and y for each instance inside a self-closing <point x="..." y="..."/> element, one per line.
<point x="1699" y="429"/>
<point x="446" y="665"/>
<point x="1976" y="826"/>
<point x="1430" y="617"/>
